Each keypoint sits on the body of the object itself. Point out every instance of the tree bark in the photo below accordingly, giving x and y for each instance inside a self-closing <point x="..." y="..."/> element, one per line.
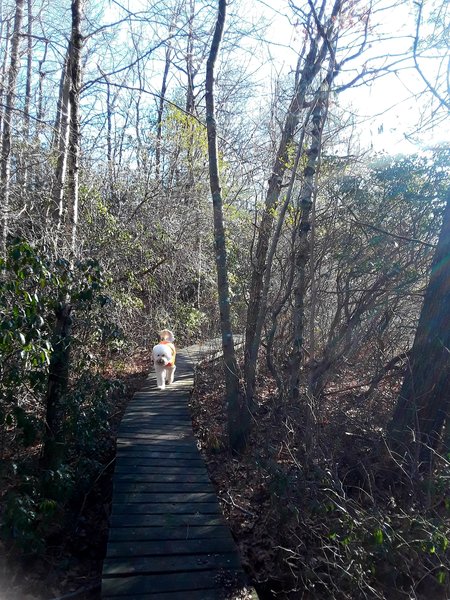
<point x="26" y="106"/>
<point x="60" y="360"/>
<point x="5" y="158"/>
<point x="159" y="118"/>
<point x="238" y="417"/>
<point x="303" y="249"/>
<point x="53" y="448"/>
<point x="61" y="142"/>
<point x="424" y="400"/>
<point x="74" y="129"/>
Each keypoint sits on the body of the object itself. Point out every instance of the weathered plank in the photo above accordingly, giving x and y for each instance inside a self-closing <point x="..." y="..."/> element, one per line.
<point x="181" y="489"/>
<point x="164" y="520"/>
<point x="157" y="466"/>
<point x="164" y="497"/>
<point x="131" y="534"/>
<point x="140" y="585"/>
<point x="170" y="563"/>
<point x="171" y="547"/>
<point x="207" y="508"/>
<point x="172" y="476"/>
<point x="193" y="595"/>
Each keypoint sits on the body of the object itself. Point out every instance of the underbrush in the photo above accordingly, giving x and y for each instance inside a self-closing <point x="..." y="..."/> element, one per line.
<point x="50" y="547"/>
<point x="348" y="522"/>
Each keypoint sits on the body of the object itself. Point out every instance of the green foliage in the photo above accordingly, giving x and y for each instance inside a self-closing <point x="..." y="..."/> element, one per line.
<point x="188" y="320"/>
<point x="87" y="409"/>
<point x="32" y="289"/>
<point x="28" y="516"/>
<point x="187" y="130"/>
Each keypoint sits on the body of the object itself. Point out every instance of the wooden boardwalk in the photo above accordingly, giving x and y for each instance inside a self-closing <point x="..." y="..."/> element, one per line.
<point x="167" y="537"/>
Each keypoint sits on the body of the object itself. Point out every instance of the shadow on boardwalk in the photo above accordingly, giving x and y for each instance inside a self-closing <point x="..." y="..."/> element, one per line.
<point x="167" y="537"/>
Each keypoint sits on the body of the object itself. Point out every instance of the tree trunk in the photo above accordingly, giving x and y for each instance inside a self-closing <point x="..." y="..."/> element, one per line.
<point x="5" y="158"/>
<point x="190" y="99"/>
<point x="74" y="129"/>
<point x="424" y="400"/>
<point x="60" y="143"/>
<point x="5" y="35"/>
<point x="159" y="119"/>
<point x="60" y="360"/>
<point x="26" y="105"/>
<point x="53" y="448"/>
<point x="303" y="247"/>
<point x="238" y="417"/>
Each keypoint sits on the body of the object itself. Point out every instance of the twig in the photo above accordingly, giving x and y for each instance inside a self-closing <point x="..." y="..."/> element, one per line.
<point x="231" y="502"/>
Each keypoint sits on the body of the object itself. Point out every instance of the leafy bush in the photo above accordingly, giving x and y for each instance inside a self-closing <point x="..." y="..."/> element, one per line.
<point x="33" y="288"/>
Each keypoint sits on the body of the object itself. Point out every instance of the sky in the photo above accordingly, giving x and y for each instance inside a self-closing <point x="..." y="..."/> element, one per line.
<point x="389" y="112"/>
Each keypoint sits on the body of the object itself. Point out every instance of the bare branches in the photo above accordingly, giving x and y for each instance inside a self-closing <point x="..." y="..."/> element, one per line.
<point x="443" y="100"/>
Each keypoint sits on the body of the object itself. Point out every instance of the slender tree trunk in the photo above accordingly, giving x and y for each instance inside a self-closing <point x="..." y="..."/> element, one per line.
<point x="303" y="249"/>
<point x="60" y="361"/>
<point x="26" y="105"/>
<point x="22" y="160"/>
<point x="190" y="100"/>
<point x="74" y="129"/>
<point x="40" y="100"/>
<point x="259" y="324"/>
<point x="159" y="117"/>
<point x="423" y="404"/>
<point x="61" y="142"/>
<point x="5" y="158"/>
<point x="3" y="84"/>
<point x="238" y="418"/>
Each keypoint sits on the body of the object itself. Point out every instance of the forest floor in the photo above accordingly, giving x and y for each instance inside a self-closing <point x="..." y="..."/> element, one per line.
<point x="261" y="493"/>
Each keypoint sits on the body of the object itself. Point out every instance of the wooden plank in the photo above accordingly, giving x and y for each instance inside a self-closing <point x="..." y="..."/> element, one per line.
<point x="169" y="564"/>
<point x="169" y="547"/>
<point x="206" y="508"/>
<point x="157" y="412"/>
<point x="143" y="445"/>
<point x="161" y="497"/>
<point x="175" y="462"/>
<point x="144" y="454"/>
<point x="127" y="449"/>
<point x="174" y="441"/>
<point x="159" y="431"/>
<point x="141" y="467"/>
<point x="162" y="436"/>
<point x="193" y="595"/>
<point x="136" y="487"/>
<point x="156" y="454"/>
<point x="168" y="422"/>
<point x="166" y="520"/>
<point x="177" y="475"/>
<point x="132" y="534"/>
<point x="141" y="585"/>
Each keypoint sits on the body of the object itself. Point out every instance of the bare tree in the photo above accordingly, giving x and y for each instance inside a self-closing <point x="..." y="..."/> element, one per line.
<point x="308" y="67"/>
<point x="238" y="418"/>
<point x="5" y="158"/>
<point x="60" y="360"/>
